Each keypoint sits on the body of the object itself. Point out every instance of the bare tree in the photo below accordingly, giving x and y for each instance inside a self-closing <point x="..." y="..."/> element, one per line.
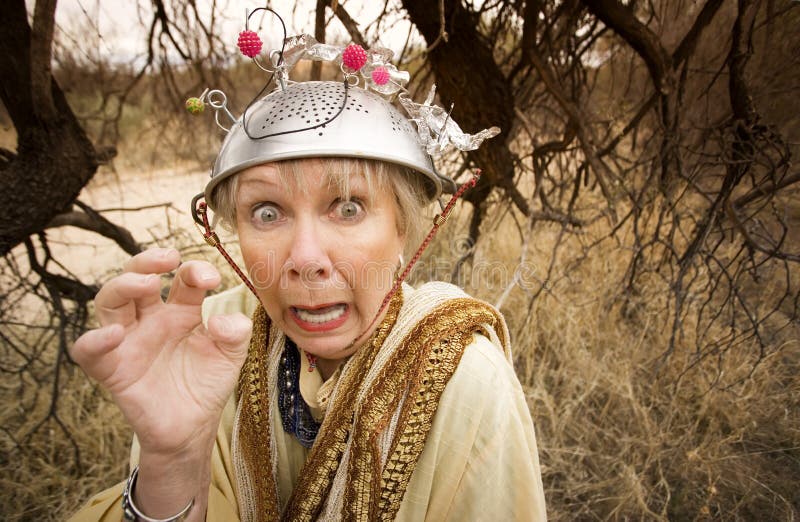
<point x="53" y="161"/>
<point x="642" y="124"/>
<point x="691" y="183"/>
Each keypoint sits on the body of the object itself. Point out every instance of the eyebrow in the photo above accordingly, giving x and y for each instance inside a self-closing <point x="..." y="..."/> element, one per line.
<point x="257" y="181"/>
<point x="355" y="182"/>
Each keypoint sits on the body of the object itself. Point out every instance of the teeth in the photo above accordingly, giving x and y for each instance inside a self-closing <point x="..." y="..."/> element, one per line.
<point x="317" y="316"/>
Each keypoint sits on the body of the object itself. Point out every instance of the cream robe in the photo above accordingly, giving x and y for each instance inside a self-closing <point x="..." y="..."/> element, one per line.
<point x="479" y="463"/>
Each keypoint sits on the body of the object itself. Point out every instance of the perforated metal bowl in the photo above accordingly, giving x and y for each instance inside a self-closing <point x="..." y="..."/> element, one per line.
<point x="367" y="127"/>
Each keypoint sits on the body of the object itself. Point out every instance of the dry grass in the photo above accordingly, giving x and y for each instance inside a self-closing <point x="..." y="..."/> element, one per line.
<point x="621" y="439"/>
<point x="621" y="435"/>
<point x="40" y="480"/>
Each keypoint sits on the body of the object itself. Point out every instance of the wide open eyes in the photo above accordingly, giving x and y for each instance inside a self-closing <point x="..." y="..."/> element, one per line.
<point x="348" y="210"/>
<point x="266" y="213"/>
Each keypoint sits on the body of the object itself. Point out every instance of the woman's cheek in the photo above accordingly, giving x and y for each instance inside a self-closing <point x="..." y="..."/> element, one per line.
<point x="260" y="262"/>
<point x="263" y="273"/>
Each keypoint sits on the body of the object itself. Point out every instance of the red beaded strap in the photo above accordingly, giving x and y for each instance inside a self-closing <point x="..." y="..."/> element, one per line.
<point x="212" y="239"/>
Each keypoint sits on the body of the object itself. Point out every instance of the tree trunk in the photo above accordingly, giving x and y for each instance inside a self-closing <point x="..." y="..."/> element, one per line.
<point x="54" y="158"/>
<point x="467" y="75"/>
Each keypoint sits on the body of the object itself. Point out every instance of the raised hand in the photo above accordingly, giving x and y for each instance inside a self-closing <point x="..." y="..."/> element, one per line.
<point x="170" y="375"/>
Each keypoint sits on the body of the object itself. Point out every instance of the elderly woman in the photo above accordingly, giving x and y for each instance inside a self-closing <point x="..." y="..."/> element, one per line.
<point x="348" y="396"/>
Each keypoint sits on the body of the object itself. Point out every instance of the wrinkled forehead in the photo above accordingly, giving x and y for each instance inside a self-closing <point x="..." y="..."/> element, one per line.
<point x="335" y="175"/>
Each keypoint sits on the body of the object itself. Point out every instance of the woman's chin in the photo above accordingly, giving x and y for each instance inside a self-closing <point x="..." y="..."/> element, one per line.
<point x="333" y="340"/>
<point x="332" y="347"/>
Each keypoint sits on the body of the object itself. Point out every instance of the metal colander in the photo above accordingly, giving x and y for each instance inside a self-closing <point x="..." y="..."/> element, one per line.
<point x="301" y="121"/>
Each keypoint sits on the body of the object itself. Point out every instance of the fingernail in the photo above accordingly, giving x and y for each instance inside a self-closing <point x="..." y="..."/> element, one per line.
<point x="149" y="278"/>
<point x="207" y="276"/>
<point x="166" y="252"/>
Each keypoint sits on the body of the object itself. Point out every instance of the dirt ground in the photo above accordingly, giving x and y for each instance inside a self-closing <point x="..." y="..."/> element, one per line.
<point x="153" y="205"/>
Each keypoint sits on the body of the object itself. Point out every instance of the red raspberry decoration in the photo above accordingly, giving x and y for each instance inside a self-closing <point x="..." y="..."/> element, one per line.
<point x="249" y="43"/>
<point x="380" y="76"/>
<point x="354" y="57"/>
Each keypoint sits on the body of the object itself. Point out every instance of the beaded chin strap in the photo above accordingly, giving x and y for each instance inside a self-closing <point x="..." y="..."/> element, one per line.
<point x="200" y="215"/>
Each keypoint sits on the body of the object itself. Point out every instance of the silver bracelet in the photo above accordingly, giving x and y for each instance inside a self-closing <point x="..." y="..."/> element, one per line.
<point x="131" y="513"/>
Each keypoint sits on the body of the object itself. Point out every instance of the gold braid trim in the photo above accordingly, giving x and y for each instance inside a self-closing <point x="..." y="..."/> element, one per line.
<point x="255" y="427"/>
<point x="416" y="375"/>
<point x="323" y="459"/>
<point x="315" y="478"/>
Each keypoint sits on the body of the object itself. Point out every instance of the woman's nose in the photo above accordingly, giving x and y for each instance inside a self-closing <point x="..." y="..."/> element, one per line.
<point x="308" y="257"/>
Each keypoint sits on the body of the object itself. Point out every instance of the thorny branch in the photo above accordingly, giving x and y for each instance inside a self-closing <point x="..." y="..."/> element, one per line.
<point x="692" y="180"/>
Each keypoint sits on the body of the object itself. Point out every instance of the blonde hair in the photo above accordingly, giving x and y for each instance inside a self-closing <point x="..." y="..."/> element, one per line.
<point x="409" y="189"/>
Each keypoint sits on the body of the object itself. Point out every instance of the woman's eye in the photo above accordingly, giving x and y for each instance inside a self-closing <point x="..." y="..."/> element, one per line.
<point x="348" y="209"/>
<point x="266" y="214"/>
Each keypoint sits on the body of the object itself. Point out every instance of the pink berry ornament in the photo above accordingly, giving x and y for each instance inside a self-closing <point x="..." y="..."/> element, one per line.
<point x="249" y="43"/>
<point x="195" y="105"/>
<point x="380" y="76"/>
<point x="354" y="57"/>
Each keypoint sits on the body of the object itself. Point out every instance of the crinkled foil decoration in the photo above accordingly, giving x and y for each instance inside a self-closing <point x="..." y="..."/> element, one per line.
<point x="305" y="46"/>
<point x="437" y="131"/>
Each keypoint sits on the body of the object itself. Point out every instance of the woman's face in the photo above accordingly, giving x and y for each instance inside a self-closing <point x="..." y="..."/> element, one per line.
<point x="321" y="264"/>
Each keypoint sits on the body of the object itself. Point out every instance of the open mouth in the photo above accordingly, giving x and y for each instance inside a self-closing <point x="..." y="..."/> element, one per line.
<point x="321" y="315"/>
<point x="325" y="317"/>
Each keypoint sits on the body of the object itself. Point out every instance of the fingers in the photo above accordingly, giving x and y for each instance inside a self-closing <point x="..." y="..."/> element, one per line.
<point x="154" y="261"/>
<point x="118" y="300"/>
<point x="136" y="288"/>
<point x="94" y="351"/>
<point x="192" y="281"/>
<point x="231" y="334"/>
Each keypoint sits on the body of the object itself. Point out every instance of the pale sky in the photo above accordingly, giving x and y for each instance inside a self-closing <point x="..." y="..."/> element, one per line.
<point x="117" y="30"/>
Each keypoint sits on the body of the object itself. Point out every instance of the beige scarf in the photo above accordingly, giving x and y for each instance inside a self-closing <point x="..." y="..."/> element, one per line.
<point x="380" y="411"/>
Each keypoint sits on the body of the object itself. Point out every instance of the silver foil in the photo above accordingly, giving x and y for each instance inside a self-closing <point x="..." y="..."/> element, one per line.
<point x="438" y="131"/>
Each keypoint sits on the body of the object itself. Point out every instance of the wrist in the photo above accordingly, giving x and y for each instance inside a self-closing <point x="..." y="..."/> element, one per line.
<point x="132" y="513"/>
<point x="168" y="483"/>
<point x="163" y="447"/>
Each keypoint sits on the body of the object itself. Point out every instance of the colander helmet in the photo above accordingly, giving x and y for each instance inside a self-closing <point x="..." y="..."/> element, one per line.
<point x="334" y="119"/>
<point x="301" y="121"/>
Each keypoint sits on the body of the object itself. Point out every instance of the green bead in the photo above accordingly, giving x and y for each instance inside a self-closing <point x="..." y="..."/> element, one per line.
<point x="195" y="105"/>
